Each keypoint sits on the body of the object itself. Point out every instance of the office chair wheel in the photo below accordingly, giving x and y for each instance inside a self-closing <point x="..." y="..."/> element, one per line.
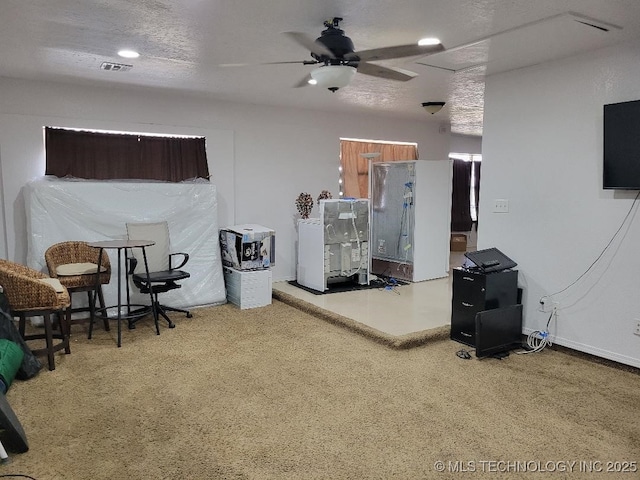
<point x="189" y="315"/>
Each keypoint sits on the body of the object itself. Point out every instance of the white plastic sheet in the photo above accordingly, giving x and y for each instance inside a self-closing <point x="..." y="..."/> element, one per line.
<point x="60" y="210"/>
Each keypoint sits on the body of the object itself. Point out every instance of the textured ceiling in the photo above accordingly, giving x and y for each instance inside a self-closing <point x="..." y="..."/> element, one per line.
<point x="184" y="43"/>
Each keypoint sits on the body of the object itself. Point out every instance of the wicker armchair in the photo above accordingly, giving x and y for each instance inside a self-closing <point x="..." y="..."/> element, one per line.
<point x="74" y="264"/>
<point x="32" y="293"/>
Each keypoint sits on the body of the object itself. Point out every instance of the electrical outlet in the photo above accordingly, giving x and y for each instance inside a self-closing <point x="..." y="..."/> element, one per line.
<point x="547" y="306"/>
<point x="541" y="306"/>
<point x="637" y="329"/>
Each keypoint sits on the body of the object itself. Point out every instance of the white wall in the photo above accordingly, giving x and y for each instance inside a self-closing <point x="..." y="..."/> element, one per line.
<point x="542" y="150"/>
<point x="260" y="158"/>
<point x="466" y="144"/>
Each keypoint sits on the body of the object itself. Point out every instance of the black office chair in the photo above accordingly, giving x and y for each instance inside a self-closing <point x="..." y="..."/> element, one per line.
<point x="163" y="275"/>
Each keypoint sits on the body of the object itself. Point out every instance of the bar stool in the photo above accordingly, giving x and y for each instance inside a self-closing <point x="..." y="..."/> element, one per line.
<point x="75" y="264"/>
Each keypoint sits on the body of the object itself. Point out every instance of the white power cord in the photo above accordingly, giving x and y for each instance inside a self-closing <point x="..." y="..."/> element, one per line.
<point x="538" y="340"/>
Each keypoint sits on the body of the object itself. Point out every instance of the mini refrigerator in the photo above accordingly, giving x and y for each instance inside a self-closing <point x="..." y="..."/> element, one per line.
<point x="335" y="247"/>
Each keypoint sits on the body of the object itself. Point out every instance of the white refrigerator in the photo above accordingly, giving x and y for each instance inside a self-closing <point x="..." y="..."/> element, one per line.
<point x="410" y="219"/>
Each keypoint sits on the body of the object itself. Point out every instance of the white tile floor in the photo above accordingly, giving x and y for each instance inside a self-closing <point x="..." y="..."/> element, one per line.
<point x="407" y="309"/>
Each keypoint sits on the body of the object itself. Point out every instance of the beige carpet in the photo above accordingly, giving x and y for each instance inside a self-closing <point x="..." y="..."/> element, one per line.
<point x="275" y="393"/>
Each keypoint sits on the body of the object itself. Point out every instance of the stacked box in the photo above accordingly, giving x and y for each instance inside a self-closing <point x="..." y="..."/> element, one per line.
<point x="247" y="252"/>
<point x="458" y="242"/>
<point x="248" y="289"/>
<point x="248" y="247"/>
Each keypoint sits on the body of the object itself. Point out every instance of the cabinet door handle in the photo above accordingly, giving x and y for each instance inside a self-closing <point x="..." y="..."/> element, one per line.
<point x="468" y="278"/>
<point x="467" y="304"/>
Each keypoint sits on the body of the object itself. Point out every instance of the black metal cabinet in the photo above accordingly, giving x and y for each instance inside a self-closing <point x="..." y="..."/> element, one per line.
<point x="474" y="292"/>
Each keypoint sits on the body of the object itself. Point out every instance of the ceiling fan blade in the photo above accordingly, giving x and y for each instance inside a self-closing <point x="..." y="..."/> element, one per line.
<point x="398" y="51"/>
<point x="301" y="62"/>
<point x="384" y="72"/>
<point x="310" y="44"/>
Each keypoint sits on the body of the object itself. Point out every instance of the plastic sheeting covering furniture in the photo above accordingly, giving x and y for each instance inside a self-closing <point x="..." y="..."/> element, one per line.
<point x="60" y="210"/>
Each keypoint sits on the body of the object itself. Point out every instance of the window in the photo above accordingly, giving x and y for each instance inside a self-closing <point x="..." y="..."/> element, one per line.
<point x="117" y="155"/>
<point x="355" y="155"/>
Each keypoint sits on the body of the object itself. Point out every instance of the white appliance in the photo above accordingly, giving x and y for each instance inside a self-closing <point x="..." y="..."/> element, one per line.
<point x="335" y="247"/>
<point x="248" y="289"/>
<point x="410" y="219"/>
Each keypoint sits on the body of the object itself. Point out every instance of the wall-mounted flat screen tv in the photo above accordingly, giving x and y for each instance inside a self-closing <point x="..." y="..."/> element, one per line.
<point x="621" y="165"/>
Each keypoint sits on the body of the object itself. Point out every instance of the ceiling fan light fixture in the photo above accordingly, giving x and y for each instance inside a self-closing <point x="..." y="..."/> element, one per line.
<point x="333" y="77"/>
<point x="429" y="41"/>
<point x="433" y="107"/>
<point x="126" y="53"/>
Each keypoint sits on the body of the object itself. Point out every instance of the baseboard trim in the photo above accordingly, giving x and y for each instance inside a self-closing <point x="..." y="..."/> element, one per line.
<point x="595" y="354"/>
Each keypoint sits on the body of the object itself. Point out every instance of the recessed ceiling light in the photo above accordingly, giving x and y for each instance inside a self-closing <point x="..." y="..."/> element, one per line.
<point x="128" y="54"/>
<point x="429" y="41"/>
<point x="312" y="81"/>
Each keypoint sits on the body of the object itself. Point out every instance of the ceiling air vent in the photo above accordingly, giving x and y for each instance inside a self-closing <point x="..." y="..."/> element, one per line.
<point x="115" y="67"/>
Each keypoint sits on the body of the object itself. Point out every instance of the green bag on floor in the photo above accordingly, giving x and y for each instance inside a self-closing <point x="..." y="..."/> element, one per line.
<point x="11" y="356"/>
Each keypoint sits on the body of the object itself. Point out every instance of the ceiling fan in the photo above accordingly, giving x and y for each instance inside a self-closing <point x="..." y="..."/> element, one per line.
<point x="339" y="62"/>
<point x="335" y="51"/>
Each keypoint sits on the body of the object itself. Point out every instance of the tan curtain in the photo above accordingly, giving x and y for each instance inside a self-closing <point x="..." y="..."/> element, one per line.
<point x="355" y="167"/>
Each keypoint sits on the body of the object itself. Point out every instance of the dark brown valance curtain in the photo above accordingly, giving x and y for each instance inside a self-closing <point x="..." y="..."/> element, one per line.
<point x="460" y="199"/>
<point x="109" y="156"/>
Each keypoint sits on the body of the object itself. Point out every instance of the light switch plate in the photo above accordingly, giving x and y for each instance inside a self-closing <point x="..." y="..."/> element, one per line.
<point x="501" y="205"/>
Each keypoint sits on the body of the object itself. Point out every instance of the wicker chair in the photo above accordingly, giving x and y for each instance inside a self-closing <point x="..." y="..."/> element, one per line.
<point x="74" y="264"/>
<point x="32" y="293"/>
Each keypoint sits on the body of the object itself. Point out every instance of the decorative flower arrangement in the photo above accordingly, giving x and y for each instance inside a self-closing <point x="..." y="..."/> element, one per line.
<point x="304" y="204"/>
<point x="324" y="195"/>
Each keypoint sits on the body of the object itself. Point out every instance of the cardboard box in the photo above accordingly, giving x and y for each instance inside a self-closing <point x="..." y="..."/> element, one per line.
<point x="248" y="247"/>
<point x="458" y="242"/>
